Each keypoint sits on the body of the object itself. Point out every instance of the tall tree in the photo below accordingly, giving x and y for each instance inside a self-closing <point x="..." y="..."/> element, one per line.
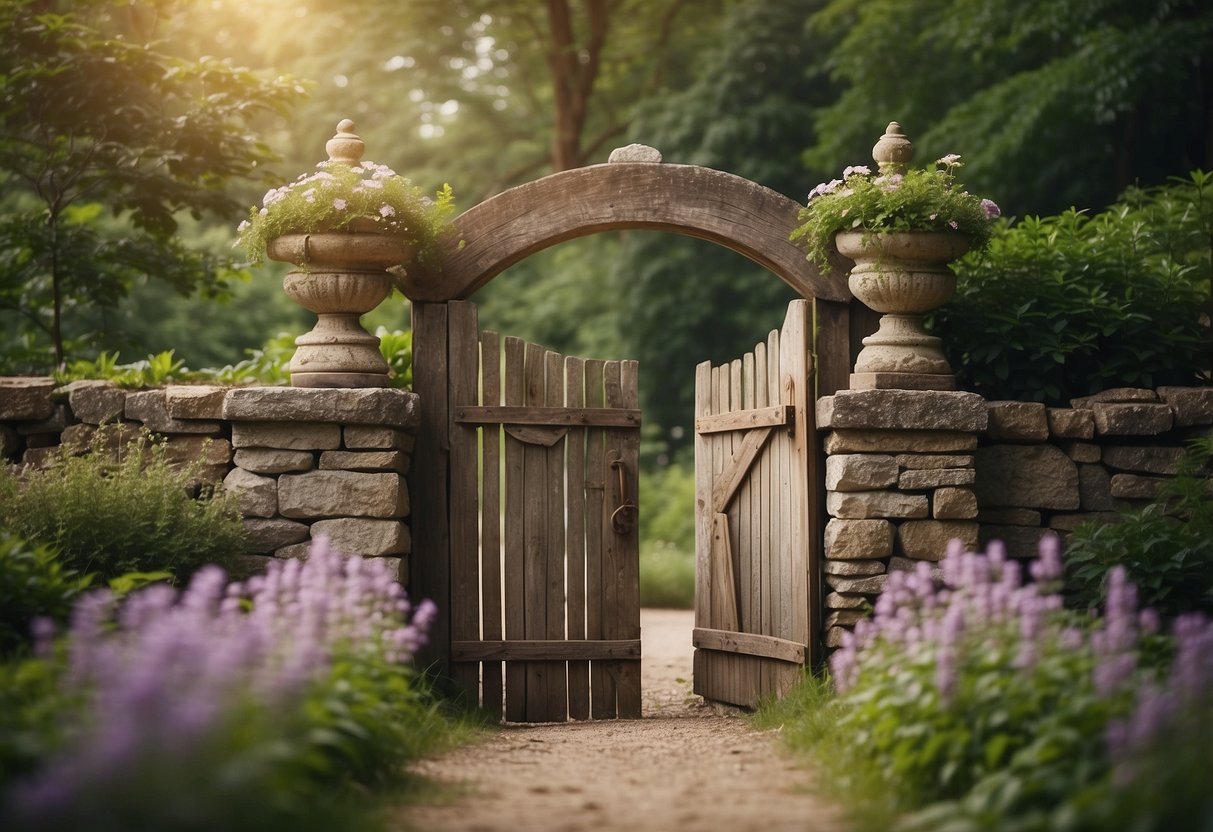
<point x="95" y="118"/>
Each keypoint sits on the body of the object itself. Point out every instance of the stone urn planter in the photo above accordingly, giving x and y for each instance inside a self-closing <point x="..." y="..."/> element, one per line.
<point x="339" y="275"/>
<point x="902" y="275"/>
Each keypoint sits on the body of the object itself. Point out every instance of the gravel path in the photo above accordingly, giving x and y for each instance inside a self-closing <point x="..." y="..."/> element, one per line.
<point x="686" y="765"/>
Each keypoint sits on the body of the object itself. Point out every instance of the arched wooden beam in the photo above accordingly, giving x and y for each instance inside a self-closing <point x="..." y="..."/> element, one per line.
<point x="684" y="199"/>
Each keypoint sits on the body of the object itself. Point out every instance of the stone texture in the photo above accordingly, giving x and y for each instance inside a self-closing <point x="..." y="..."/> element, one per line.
<point x="835" y="635"/>
<point x="860" y="472"/>
<point x="108" y="438"/>
<point x="53" y="424"/>
<point x="265" y="536"/>
<point x="358" y="536"/>
<point x="1094" y="488"/>
<point x="1017" y="422"/>
<point x="342" y="494"/>
<point x="299" y="551"/>
<point x="148" y="407"/>
<point x="911" y="480"/>
<point x="1116" y="394"/>
<point x="41" y="440"/>
<point x="365" y="461"/>
<point x="184" y="450"/>
<point x="1082" y="451"/>
<point x="26" y="398"/>
<point x="10" y="442"/>
<point x="1136" y="487"/>
<point x="858" y="539"/>
<point x="256" y="496"/>
<point x="95" y="401"/>
<point x="195" y="401"/>
<point x="1020" y="541"/>
<point x="359" y="406"/>
<point x="861" y="505"/>
<point x="928" y="539"/>
<point x="1069" y="423"/>
<point x="873" y="585"/>
<point x="371" y="438"/>
<point x="40" y="457"/>
<point x="1026" y="476"/>
<point x="898" y="441"/>
<point x="954" y="504"/>
<point x="297" y="436"/>
<point x="1143" y="460"/>
<point x="1131" y="419"/>
<point x="902" y="410"/>
<point x="1191" y="405"/>
<point x="845" y="618"/>
<point x="898" y="564"/>
<point x="881" y="380"/>
<point x="635" y="153"/>
<point x="923" y="462"/>
<point x="854" y="568"/>
<point x="1009" y="516"/>
<point x="274" y="460"/>
<point x="838" y="601"/>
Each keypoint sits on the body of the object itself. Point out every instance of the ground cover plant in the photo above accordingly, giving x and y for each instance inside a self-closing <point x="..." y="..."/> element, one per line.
<point x="267" y="704"/>
<point x="1067" y="305"/>
<point x="129" y="510"/>
<point x="985" y="704"/>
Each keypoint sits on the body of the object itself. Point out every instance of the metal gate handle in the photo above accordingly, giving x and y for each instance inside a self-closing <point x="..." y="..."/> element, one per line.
<point x="623" y="518"/>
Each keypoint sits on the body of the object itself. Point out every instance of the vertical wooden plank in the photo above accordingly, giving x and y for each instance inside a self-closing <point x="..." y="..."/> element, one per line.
<point x="717" y="677"/>
<point x="832" y="346"/>
<point x="745" y="514"/>
<point x="760" y="501"/>
<point x="464" y="354"/>
<point x="602" y="690"/>
<point x="806" y="538"/>
<point x="490" y="521"/>
<point x="534" y="522"/>
<point x="612" y="553"/>
<point x="428" y="479"/>
<point x="557" y="709"/>
<point x="788" y="509"/>
<point x="770" y="595"/>
<point x="514" y="556"/>
<point x="628" y="575"/>
<point x="703" y="499"/>
<point x="579" y="672"/>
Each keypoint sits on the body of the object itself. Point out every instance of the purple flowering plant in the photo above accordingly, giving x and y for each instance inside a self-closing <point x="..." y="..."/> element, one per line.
<point x="979" y="701"/>
<point x="230" y="704"/>
<point x="369" y="196"/>
<point x="889" y="200"/>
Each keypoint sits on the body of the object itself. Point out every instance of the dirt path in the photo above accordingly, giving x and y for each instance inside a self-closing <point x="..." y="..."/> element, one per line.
<point x="685" y="766"/>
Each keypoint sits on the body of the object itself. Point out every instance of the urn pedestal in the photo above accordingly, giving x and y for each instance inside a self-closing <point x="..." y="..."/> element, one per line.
<point x="340" y="276"/>
<point x="902" y="275"/>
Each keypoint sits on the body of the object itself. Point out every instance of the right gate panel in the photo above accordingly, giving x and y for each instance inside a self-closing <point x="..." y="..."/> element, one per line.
<point x="756" y="582"/>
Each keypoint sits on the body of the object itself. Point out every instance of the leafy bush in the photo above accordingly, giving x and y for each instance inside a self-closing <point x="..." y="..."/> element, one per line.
<point x="667" y="537"/>
<point x="987" y="705"/>
<point x="1166" y="547"/>
<point x="32" y="583"/>
<point x="130" y="513"/>
<point x="263" y="705"/>
<point x="1069" y="305"/>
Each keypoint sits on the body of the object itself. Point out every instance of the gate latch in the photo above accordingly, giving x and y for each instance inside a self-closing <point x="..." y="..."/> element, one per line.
<point x="623" y="518"/>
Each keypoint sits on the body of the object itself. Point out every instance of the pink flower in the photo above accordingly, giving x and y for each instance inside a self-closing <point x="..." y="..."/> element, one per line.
<point x="992" y="210"/>
<point x="387" y="211"/>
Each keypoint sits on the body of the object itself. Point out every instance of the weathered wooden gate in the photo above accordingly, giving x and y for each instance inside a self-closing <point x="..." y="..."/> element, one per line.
<point x="544" y="544"/>
<point x="756" y="583"/>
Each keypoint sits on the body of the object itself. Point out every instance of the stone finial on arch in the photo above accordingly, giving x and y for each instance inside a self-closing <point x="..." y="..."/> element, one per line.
<point x="625" y="193"/>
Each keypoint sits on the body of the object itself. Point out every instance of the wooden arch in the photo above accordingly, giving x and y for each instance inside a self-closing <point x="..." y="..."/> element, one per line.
<point x="720" y="207"/>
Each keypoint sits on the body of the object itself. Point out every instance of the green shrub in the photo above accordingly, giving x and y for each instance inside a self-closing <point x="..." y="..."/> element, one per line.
<point x="130" y="513"/>
<point x="32" y="583"/>
<point x="1166" y="547"/>
<point x="1069" y="305"/>
<point x="667" y="537"/>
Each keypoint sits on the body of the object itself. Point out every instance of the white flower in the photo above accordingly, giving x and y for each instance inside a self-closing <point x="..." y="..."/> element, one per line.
<point x="340" y="204"/>
<point x="387" y="211"/>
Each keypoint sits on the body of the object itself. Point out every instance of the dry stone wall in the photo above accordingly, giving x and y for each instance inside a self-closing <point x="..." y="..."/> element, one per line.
<point x="301" y="462"/>
<point x="907" y="471"/>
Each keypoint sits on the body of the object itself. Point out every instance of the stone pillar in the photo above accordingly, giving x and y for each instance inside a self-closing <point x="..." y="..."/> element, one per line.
<point x="899" y="485"/>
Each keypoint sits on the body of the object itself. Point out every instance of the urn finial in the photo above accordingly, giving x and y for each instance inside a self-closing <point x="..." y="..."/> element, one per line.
<point x="894" y="150"/>
<point x="346" y="146"/>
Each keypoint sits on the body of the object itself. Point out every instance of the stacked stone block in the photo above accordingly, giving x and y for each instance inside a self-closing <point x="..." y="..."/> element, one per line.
<point x="899" y="485"/>
<point x="906" y="471"/>
<point x="301" y="462"/>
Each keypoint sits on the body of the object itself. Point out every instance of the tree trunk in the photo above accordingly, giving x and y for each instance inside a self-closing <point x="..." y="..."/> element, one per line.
<point x="574" y="71"/>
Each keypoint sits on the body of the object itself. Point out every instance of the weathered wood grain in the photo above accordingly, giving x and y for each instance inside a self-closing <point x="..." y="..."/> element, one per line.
<point x="515" y="536"/>
<point x="547" y="650"/>
<point x="490" y="522"/>
<point x="579" y="670"/>
<point x="684" y="199"/>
